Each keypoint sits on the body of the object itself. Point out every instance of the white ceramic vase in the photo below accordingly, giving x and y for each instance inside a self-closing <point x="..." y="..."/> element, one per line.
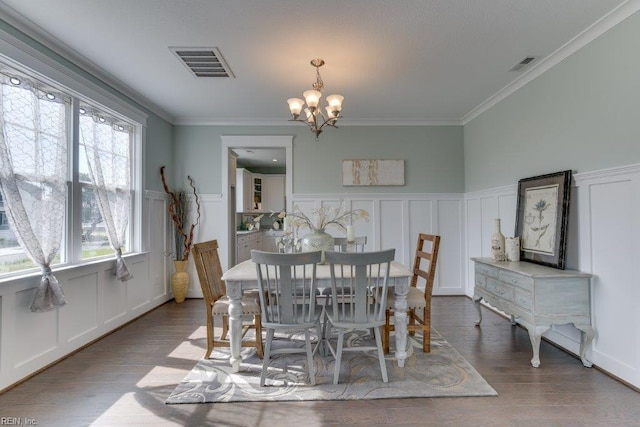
<point x="497" y="243"/>
<point x="512" y="248"/>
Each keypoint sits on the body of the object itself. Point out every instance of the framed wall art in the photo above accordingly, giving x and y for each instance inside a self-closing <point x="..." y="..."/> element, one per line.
<point x="542" y="218"/>
<point x="372" y="172"/>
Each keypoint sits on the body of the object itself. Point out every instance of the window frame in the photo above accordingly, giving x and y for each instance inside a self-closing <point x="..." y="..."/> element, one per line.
<point x="71" y="248"/>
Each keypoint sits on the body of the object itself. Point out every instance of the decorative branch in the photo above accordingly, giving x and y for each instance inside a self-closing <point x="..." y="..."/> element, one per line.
<point x="178" y="211"/>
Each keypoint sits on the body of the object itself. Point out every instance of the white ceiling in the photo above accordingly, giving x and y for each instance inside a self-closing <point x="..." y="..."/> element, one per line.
<point x="396" y="62"/>
<point x="261" y="157"/>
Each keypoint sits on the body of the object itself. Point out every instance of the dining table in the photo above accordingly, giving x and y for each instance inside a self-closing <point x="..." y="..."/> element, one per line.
<point x="243" y="277"/>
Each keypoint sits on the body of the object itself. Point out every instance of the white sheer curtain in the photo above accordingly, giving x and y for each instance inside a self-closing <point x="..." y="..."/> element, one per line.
<point x="107" y="145"/>
<point x="33" y="175"/>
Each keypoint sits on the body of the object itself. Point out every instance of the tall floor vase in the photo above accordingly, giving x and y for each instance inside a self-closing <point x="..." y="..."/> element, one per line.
<point x="180" y="281"/>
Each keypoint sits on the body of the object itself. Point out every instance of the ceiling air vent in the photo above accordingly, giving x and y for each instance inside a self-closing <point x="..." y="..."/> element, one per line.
<point x="522" y="64"/>
<point x="203" y="61"/>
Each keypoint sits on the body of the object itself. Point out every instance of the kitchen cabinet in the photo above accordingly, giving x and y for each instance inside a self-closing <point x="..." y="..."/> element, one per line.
<point x="259" y="192"/>
<point x="269" y="239"/>
<point x="245" y="242"/>
<point x="244" y="190"/>
<point x="273" y="193"/>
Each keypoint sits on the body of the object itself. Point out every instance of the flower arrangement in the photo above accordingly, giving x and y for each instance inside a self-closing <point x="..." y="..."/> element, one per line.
<point x="326" y="216"/>
<point x="179" y="213"/>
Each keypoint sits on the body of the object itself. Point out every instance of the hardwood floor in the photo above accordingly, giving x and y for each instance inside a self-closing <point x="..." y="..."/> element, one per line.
<point x="124" y="379"/>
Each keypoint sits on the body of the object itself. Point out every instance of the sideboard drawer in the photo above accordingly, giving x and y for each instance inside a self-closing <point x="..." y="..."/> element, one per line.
<point x="500" y="290"/>
<point x="487" y="270"/>
<point x="515" y="279"/>
<point x="481" y="281"/>
<point x="524" y="300"/>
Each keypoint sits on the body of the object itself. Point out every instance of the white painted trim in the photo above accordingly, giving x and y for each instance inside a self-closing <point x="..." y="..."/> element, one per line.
<point x="604" y="24"/>
<point x="209" y="197"/>
<point x="605" y="174"/>
<point x="381" y="196"/>
<point x="284" y="122"/>
<point x="256" y="141"/>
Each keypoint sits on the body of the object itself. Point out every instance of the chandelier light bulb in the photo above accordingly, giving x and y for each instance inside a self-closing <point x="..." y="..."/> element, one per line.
<point x="295" y="105"/>
<point x="312" y="97"/>
<point x="335" y="102"/>
<point x="331" y="113"/>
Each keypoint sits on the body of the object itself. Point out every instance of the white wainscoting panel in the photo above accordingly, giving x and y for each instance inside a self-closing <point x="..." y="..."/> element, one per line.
<point x="158" y="233"/>
<point x="450" y="274"/>
<point x="97" y="303"/>
<point x="613" y="222"/>
<point x="82" y="318"/>
<point x="364" y="228"/>
<point x="36" y="333"/>
<point x="212" y="227"/>
<point x="391" y="228"/>
<point x="395" y="221"/>
<point x="603" y="239"/>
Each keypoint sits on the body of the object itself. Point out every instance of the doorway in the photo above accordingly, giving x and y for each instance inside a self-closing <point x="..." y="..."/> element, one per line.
<point x="237" y="142"/>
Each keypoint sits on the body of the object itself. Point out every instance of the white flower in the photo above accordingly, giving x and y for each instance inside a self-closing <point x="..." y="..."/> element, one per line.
<point x="324" y="217"/>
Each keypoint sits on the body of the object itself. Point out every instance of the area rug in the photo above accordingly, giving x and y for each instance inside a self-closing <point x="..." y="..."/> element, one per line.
<point x="441" y="373"/>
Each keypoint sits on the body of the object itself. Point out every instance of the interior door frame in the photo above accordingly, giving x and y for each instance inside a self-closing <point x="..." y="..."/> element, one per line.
<point x="230" y="142"/>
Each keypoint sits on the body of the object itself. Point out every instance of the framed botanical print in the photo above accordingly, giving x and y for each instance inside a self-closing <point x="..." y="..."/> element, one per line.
<point x="542" y="218"/>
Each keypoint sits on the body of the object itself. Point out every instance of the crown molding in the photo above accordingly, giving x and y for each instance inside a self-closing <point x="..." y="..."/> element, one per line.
<point x="342" y="123"/>
<point x="601" y="26"/>
<point x="30" y="29"/>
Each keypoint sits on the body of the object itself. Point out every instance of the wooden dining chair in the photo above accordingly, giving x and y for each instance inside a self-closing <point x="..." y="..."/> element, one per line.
<point x="287" y="284"/>
<point x="207" y="262"/>
<point x="355" y="279"/>
<point x="417" y="298"/>
<point x="341" y="244"/>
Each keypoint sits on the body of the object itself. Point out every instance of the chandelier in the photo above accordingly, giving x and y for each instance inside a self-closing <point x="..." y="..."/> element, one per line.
<point x="315" y="118"/>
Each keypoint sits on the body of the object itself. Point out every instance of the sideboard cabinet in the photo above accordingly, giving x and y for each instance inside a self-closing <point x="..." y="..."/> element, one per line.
<point x="536" y="297"/>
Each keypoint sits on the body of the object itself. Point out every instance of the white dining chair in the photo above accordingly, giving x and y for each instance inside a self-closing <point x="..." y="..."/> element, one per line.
<point x="359" y="285"/>
<point x="341" y="244"/>
<point x="287" y="284"/>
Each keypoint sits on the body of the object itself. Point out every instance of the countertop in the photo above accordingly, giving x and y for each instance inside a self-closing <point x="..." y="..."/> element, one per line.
<point x="266" y="232"/>
<point x="243" y="232"/>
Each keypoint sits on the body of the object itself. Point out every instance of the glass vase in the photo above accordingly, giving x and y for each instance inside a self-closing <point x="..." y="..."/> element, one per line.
<point x="317" y="240"/>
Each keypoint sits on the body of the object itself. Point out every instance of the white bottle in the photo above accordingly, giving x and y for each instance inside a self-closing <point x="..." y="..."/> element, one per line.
<point x="497" y="243"/>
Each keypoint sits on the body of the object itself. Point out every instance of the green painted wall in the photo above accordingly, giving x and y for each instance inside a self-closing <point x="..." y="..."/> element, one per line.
<point x="434" y="156"/>
<point x="159" y="151"/>
<point x="582" y="115"/>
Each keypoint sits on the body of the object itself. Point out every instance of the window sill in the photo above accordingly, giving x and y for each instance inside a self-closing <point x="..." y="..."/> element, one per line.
<point x="36" y="273"/>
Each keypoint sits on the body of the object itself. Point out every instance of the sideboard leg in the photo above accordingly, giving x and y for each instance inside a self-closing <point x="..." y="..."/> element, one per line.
<point x="476" y="300"/>
<point x="535" y="335"/>
<point x="586" y="332"/>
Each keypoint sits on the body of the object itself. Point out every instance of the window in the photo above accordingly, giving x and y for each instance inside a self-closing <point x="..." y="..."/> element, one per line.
<point x="105" y="179"/>
<point x="36" y="158"/>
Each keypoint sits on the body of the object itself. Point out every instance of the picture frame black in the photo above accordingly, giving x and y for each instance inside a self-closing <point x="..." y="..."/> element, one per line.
<point x="542" y="218"/>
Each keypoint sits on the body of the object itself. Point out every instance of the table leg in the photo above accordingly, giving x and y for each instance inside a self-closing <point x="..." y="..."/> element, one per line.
<point x="400" y="320"/>
<point x="234" y="292"/>
<point x="586" y="333"/>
